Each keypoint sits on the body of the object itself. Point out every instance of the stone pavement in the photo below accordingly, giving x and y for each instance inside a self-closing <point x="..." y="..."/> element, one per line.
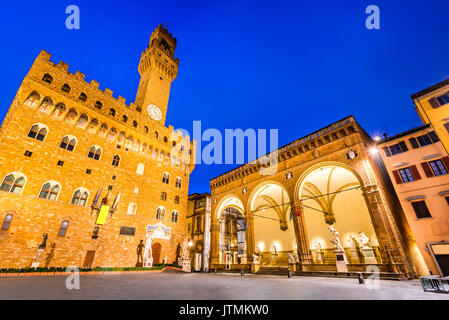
<point x="178" y="286"/>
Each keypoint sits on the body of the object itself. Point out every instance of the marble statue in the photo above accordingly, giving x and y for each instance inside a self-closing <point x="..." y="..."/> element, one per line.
<point x="185" y="251"/>
<point x="291" y="258"/>
<point x="364" y="240"/>
<point x="335" y="240"/>
<point x="256" y="259"/>
<point x="295" y="254"/>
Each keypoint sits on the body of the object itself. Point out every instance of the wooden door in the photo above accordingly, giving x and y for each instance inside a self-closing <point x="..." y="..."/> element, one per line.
<point x="89" y="260"/>
<point x="156" y="248"/>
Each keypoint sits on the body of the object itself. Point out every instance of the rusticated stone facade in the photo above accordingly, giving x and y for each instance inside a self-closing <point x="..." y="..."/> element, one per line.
<point x="124" y="150"/>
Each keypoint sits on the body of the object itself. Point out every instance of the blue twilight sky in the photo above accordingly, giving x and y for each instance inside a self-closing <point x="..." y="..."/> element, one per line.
<point x="295" y="66"/>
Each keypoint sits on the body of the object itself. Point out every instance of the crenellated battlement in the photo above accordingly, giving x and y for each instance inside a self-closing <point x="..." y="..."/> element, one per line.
<point x="61" y="74"/>
<point x="44" y="56"/>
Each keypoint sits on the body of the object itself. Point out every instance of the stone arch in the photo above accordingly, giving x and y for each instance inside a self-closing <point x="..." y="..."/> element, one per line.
<point x="269" y="205"/>
<point x="320" y="165"/>
<point x="229" y="201"/>
<point x="331" y="194"/>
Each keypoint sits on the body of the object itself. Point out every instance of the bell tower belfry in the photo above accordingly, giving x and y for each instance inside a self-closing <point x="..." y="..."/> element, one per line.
<point x="158" y="67"/>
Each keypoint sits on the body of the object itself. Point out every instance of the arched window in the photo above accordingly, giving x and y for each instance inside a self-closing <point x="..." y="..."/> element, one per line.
<point x="178" y="182"/>
<point x="116" y="161"/>
<point x="165" y="139"/>
<point x="14" y="183"/>
<point x="80" y="197"/>
<point x="50" y="190"/>
<point x="166" y="178"/>
<point x="125" y="118"/>
<point x="94" y="153"/>
<point x="140" y="169"/>
<point x="7" y="222"/>
<point x="63" y="229"/>
<point x="138" y="109"/>
<point x="174" y="216"/>
<point x="176" y="200"/>
<point x="66" y="88"/>
<point x="160" y="214"/>
<point x="68" y="143"/>
<point x="33" y="100"/>
<point x="135" y="124"/>
<point x="112" y="112"/>
<point x="132" y="209"/>
<point x="146" y="129"/>
<point x="38" y="131"/>
<point x="47" y="78"/>
<point x="98" y="105"/>
<point x="156" y="134"/>
<point x="163" y="196"/>
<point x="83" y="97"/>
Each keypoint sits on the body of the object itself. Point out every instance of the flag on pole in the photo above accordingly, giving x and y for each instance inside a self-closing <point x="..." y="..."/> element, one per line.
<point x="117" y="200"/>
<point x="107" y="199"/>
<point x="97" y="196"/>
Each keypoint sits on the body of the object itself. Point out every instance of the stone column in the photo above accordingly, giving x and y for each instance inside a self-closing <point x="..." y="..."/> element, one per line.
<point x="250" y="241"/>
<point x="302" y="240"/>
<point x="386" y="230"/>
<point x="214" y="232"/>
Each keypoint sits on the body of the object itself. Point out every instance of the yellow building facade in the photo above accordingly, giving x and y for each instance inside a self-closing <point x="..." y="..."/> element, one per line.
<point x="432" y="106"/>
<point x="72" y="155"/>
<point x="418" y="165"/>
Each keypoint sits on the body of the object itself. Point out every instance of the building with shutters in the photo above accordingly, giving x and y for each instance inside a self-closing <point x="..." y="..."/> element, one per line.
<point x="432" y="106"/>
<point x="95" y="175"/>
<point x="418" y="165"/>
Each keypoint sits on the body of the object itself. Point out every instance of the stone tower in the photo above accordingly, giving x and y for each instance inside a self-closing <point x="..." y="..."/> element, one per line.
<point x="158" y="67"/>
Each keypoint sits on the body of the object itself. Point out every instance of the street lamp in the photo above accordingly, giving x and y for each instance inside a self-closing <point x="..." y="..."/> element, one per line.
<point x="374" y="151"/>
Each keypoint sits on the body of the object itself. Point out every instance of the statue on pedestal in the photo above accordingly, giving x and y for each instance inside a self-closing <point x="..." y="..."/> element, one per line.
<point x="148" y="255"/>
<point x="339" y="250"/>
<point x="185" y="260"/>
<point x="335" y="240"/>
<point x="364" y="240"/>
<point x="368" y="251"/>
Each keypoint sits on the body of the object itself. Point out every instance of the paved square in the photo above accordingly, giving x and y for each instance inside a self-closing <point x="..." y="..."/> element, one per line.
<point x="177" y="286"/>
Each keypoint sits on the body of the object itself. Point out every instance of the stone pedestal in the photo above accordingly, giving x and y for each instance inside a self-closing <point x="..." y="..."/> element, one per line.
<point x="341" y="261"/>
<point x="185" y="264"/>
<point x="36" y="262"/>
<point x="244" y="259"/>
<point x="292" y="267"/>
<point x="355" y="258"/>
<point x="255" y="267"/>
<point x="320" y="257"/>
<point x="274" y="259"/>
<point x="370" y="257"/>
<point x="148" y="263"/>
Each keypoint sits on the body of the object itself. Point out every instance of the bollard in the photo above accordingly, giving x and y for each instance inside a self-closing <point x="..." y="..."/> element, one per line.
<point x="360" y="276"/>
<point x="242" y="273"/>
<point x="289" y="273"/>
<point x="215" y="271"/>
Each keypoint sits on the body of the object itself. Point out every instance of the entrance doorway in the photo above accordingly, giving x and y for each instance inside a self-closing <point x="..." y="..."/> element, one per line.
<point x="89" y="260"/>
<point x="156" y="249"/>
<point x="198" y="261"/>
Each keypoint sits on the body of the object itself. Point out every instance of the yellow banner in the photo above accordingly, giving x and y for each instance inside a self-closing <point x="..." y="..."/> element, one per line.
<point x="103" y="215"/>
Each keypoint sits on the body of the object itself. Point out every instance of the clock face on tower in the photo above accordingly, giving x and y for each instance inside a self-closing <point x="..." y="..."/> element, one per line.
<point x="154" y="112"/>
